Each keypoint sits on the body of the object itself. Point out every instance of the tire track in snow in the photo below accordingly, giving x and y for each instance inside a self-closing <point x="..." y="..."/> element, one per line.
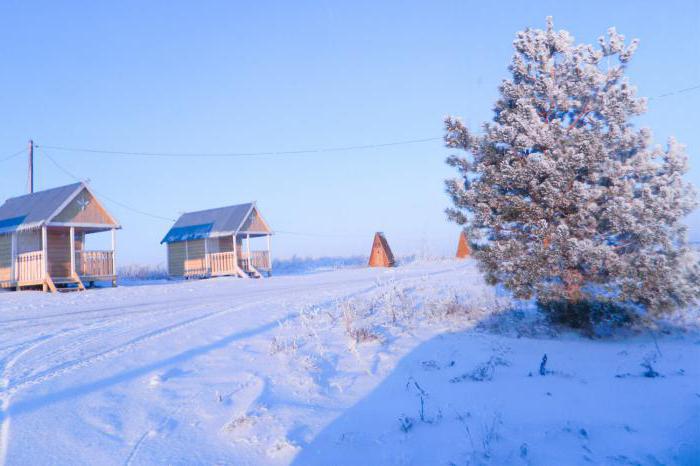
<point x="154" y="314"/>
<point x="80" y="332"/>
<point x="107" y="321"/>
<point x="84" y="362"/>
<point x="102" y="328"/>
<point x="9" y="389"/>
<point x="13" y="358"/>
<point x="278" y="293"/>
<point x="108" y="354"/>
<point x="5" y="395"/>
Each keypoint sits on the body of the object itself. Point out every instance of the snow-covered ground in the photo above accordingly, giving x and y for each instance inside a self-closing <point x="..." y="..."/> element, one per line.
<point x="358" y="366"/>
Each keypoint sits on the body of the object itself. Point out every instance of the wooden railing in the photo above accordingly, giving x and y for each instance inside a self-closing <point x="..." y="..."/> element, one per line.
<point x="192" y="272"/>
<point x="259" y="259"/>
<point x="29" y="266"/>
<point x="94" y="263"/>
<point x="222" y="263"/>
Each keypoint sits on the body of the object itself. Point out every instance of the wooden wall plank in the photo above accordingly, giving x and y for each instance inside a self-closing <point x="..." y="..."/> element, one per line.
<point x="176" y="259"/>
<point x="5" y="257"/>
<point x="226" y="244"/>
<point x="195" y="256"/>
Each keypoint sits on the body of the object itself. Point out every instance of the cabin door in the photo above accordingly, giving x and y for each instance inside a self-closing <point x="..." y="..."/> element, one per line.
<point x="58" y="246"/>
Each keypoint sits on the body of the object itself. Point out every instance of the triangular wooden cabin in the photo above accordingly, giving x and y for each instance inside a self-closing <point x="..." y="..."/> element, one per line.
<point x="463" y="250"/>
<point x="209" y="243"/>
<point x="42" y="239"/>
<point x="381" y="255"/>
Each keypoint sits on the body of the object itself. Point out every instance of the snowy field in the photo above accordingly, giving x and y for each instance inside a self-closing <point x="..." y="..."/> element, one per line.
<point x="422" y="364"/>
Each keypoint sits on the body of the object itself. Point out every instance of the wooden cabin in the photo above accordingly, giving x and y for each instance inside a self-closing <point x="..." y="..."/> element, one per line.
<point x="217" y="242"/>
<point x="42" y="239"/>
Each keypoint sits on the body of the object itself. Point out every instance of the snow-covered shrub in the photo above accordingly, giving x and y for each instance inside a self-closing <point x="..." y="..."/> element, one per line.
<point x="562" y="197"/>
<point x="142" y="272"/>
<point x="284" y="345"/>
<point x="352" y="315"/>
<point x="397" y="304"/>
<point x="363" y="335"/>
<point x="469" y="309"/>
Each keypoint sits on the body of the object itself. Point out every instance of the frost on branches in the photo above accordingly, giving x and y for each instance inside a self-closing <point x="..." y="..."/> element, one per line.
<point x="566" y="200"/>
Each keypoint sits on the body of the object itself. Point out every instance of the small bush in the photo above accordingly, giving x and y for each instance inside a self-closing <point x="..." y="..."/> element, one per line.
<point x="406" y="423"/>
<point x="362" y="335"/>
<point x="287" y="346"/>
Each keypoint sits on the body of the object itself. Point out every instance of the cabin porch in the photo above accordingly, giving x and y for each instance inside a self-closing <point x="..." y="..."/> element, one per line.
<point x="54" y="257"/>
<point x="220" y="256"/>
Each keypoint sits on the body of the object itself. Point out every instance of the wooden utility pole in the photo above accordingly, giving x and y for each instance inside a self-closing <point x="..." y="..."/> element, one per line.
<point x="30" y="180"/>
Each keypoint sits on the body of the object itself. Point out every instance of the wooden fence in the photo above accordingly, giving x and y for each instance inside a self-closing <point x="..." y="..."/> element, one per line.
<point x="94" y="263"/>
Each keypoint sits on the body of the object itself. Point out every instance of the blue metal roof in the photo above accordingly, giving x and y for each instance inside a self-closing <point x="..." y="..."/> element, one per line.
<point x="11" y="224"/>
<point x="188" y="233"/>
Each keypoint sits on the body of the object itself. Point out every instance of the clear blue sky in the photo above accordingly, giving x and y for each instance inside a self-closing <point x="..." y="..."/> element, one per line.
<point x="232" y="77"/>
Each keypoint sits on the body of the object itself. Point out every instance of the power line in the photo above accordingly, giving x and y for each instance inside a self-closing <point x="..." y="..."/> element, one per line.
<point x="138" y="211"/>
<point x="319" y="235"/>
<point x="114" y="201"/>
<point x="276" y="153"/>
<point x="21" y="151"/>
<point x="241" y="154"/>
<point x="125" y="206"/>
<point x="280" y="153"/>
<point x="679" y="91"/>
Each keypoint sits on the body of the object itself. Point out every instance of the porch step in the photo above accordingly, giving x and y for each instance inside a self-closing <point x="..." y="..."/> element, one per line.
<point x="50" y="285"/>
<point x="253" y="272"/>
<point x="65" y="289"/>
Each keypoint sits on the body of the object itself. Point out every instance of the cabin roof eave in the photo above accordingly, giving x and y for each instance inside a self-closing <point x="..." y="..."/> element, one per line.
<point x="102" y="226"/>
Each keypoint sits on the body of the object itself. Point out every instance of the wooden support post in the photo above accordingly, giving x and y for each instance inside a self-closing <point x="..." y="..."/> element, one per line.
<point x="73" y="272"/>
<point x="247" y="243"/>
<point x="44" y="251"/>
<point x="187" y="260"/>
<point x="13" y="255"/>
<point x="72" y="251"/>
<point x="114" y="257"/>
<point x="206" y="257"/>
<point x="236" y="269"/>
<point x="44" y="257"/>
<point x="269" y="256"/>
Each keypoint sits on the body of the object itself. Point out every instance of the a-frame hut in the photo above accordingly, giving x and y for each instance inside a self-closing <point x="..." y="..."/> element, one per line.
<point x="210" y="243"/>
<point x="42" y="239"/>
<point x="463" y="250"/>
<point x="381" y="255"/>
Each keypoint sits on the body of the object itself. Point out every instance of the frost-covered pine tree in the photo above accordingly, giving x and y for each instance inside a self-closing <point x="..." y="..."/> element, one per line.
<point x="567" y="201"/>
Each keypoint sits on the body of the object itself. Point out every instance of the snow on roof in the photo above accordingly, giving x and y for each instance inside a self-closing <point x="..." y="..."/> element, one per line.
<point x="209" y="223"/>
<point x="33" y="210"/>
